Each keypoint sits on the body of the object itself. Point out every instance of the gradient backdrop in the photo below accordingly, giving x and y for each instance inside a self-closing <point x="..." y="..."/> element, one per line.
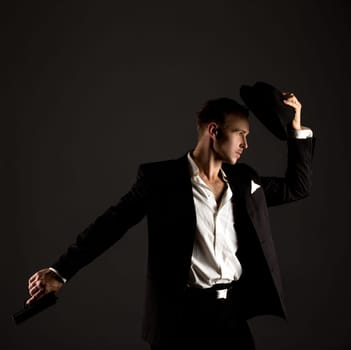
<point x="92" y="89"/>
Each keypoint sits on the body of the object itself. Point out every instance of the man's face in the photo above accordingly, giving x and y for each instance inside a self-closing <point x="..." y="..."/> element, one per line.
<point x="231" y="139"/>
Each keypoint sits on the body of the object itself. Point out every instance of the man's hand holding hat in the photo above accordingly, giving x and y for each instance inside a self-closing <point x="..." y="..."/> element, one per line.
<point x="291" y="100"/>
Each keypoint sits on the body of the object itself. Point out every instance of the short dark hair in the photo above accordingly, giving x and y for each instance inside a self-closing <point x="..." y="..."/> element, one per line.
<point x="217" y="109"/>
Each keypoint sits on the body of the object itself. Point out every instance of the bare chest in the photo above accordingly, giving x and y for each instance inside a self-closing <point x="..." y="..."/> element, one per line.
<point x="217" y="188"/>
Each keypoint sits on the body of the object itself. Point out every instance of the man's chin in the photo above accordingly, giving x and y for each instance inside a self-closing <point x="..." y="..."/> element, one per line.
<point x="232" y="161"/>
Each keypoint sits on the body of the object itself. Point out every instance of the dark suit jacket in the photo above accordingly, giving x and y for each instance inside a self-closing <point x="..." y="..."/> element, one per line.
<point x="163" y="192"/>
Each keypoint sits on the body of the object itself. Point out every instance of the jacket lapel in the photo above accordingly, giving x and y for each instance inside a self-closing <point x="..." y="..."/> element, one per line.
<point x="243" y="203"/>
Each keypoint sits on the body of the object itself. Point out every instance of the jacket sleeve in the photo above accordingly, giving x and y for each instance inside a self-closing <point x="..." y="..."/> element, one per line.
<point x="297" y="181"/>
<point x="106" y="230"/>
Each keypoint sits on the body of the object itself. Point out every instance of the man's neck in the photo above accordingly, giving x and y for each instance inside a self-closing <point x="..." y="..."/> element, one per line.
<point x="209" y="167"/>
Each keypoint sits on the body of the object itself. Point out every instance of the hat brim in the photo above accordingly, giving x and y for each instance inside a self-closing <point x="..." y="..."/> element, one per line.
<point x="266" y="103"/>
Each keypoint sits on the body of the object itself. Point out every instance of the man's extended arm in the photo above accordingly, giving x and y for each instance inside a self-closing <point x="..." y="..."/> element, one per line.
<point x="99" y="236"/>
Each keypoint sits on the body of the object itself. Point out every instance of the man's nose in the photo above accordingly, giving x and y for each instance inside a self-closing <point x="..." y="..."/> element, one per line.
<point x="244" y="144"/>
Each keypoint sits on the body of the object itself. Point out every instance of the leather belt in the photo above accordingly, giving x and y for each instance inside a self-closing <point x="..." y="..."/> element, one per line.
<point x="218" y="291"/>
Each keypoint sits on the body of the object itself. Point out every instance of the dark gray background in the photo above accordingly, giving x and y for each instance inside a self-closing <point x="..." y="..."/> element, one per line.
<point x="94" y="89"/>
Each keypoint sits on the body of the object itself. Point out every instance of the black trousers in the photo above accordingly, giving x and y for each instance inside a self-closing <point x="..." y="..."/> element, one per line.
<point x="212" y="324"/>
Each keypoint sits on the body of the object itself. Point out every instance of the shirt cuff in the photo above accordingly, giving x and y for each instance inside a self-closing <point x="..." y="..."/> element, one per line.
<point x="303" y="133"/>
<point x="57" y="273"/>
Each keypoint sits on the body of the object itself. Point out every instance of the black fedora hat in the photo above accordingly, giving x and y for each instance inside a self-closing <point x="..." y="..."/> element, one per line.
<point x="266" y="103"/>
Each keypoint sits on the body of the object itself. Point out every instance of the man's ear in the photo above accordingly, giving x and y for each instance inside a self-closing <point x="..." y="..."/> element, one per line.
<point x="212" y="129"/>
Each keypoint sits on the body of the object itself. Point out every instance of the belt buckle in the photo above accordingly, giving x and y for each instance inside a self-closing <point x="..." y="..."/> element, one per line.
<point x="221" y="293"/>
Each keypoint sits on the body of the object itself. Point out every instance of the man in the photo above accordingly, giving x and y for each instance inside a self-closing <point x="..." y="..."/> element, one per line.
<point x="211" y="260"/>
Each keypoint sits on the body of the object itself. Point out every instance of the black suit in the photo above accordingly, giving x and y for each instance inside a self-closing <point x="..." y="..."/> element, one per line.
<point x="163" y="192"/>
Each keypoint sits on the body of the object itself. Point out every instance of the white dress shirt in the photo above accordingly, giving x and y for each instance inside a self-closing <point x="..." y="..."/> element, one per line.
<point x="213" y="259"/>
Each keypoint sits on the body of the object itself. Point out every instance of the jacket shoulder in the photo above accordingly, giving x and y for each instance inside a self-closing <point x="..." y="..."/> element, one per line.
<point x="165" y="170"/>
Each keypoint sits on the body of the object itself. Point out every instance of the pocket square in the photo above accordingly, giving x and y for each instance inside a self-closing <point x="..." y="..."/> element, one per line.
<point x="254" y="186"/>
